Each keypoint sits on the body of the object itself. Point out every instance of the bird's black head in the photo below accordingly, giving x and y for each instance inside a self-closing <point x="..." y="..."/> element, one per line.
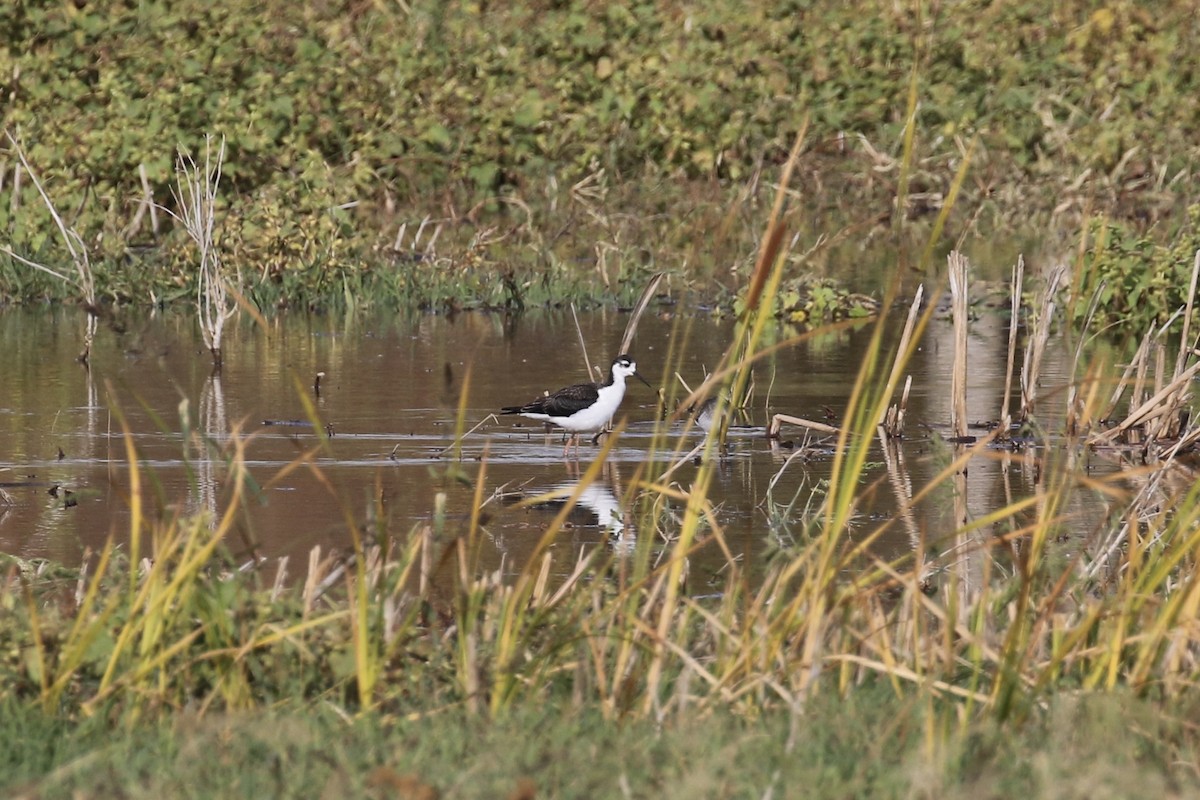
<point x="624" y="365"/>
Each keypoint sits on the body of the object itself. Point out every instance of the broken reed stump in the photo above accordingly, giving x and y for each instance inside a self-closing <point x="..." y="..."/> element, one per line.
<point x="1036" y="349"/>
<point x="1016" y="286"/>
<point x="1162" y="424"/>
<point x="892" y="421"/>
<point x="959" y="300"/>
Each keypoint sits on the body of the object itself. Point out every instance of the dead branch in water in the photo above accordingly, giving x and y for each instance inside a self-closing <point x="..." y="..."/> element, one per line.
<point x="778" y="420"/>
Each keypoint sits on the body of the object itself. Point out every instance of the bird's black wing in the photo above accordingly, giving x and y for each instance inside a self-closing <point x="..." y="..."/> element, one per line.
<point x="562" y="403"/>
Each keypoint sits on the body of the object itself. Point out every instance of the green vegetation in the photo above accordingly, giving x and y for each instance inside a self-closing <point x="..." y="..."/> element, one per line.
<point x="951" y="670"/>
<point x="868" y="744"/>
<point x="564" y="150"/>
<point x="457" y="156"/>
<point x="1135" y="279"/>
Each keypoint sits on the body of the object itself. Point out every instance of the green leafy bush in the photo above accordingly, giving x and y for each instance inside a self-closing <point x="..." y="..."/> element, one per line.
<point x="1138" y="280"/>
<point x="344" y="122"/>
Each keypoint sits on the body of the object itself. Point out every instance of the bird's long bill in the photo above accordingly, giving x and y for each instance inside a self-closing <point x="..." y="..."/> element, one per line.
<point x="638" y="375"/>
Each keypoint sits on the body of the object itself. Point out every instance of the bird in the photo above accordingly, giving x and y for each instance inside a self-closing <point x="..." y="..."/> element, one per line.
<point x="584" y="407"/>
<point x="703" y="414"/>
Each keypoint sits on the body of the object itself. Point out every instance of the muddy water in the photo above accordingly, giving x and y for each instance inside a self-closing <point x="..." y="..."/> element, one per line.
<point x="390" y="396"/>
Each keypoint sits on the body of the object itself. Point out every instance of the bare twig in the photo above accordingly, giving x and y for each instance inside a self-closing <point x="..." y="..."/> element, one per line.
<point x="83" y="279"/>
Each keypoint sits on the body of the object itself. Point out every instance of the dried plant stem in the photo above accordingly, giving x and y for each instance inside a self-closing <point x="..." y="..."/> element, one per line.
<point x="1018" y="283"/>
<point x="1158" y="407"/>
<point x="83" y="279"/>
<point x="14" y="204"/>
<point x="893" y="421"/>
<point x="1136" y="364"/>
<point x="1037" y="344"/>
<point x="1187" y="317"/>
<point x="639" y="309"/>
<point x="587" y="362"/>
<point x="958" y="378"/>
<point x="147" y="206"/>
<point x="196" y="197"/>
<point x="778" y="419"/>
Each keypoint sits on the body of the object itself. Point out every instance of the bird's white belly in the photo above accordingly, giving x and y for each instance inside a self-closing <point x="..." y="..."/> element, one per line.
<point x="592" y="418"/>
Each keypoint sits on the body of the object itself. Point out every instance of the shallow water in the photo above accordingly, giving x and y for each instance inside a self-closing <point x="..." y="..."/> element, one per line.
<point x="390" y="397"/>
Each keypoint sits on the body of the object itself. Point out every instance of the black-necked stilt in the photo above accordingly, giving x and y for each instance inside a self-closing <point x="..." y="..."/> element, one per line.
<point x="584" y="407"/>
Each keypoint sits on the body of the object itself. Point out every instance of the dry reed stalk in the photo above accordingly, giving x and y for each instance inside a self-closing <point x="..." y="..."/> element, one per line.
<point x="1158" y="406"/>
<point x="893" y="418"/>
<point x="430" y="251"/>
<point x="1153" y="419"/>
<point x="1186" y="442"/>
<point x="639" y="309"/>
<point x="83" y="279"/>
<point x="196" y="197"/>
<point x="148" y="193"/>
<point x="1016" y="287"/>
<point x="1160" y="368"/>
<point x="1135" y="364"/>
<point x="1187" y="316"/>
<point x="1078" y="414"/>
<point x="768" y="271"/>
<point x="14" y="202"/>
<point x="959" y="302"/>
<point x="1036" y="348"/>
<point x="1170" y="417"/>
<point x="778" y="420"/>
<point x="587" y="362"/>
<point x="280" y="582"/>
<point x="146" y="206"/>
<point x="318" y="577"/>
<point x="1139" y="394"/>
<point x="902" y="409"/>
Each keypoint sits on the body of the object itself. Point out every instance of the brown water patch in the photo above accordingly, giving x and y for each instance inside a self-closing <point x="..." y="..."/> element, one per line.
<point x="390" y="395"/>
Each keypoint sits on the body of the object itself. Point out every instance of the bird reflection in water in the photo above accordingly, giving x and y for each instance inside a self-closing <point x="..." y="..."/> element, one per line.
<point x="596" y="503"/>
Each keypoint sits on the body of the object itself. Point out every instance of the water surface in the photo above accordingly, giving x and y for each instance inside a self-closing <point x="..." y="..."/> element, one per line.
<point x="390" y="396"/>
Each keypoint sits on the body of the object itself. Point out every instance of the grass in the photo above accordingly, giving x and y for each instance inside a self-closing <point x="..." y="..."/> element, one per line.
<point x="870" y="743"/>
